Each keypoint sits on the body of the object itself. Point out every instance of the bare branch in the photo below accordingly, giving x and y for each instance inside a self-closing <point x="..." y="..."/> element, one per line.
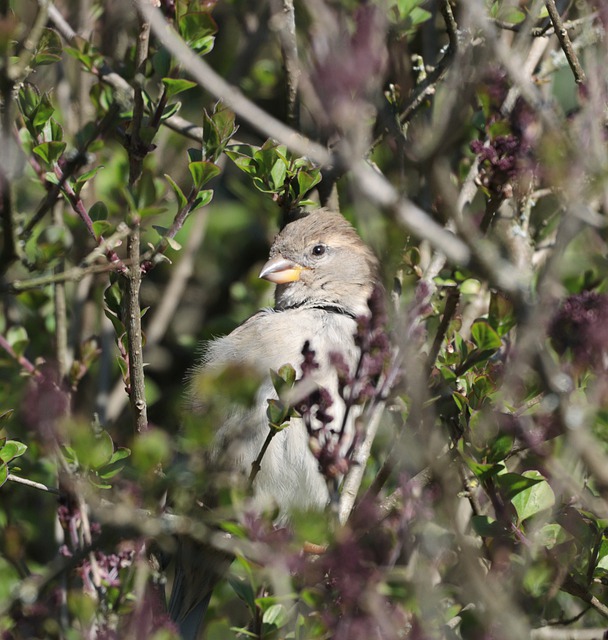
<point x="564" y="39"/>
<point x="31" y="483"/>
<point x="284" y="21"/>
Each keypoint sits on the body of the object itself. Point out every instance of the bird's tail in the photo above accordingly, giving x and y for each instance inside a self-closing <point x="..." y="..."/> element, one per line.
<point x="198" y="568"/>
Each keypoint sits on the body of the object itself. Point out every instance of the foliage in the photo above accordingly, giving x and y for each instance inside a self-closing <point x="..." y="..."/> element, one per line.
<point x="137" y="206"/>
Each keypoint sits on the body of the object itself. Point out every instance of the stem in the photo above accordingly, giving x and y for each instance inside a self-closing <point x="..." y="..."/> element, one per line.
<point x="31" y="483"/>
<point x="19" y="70"/>
<point x="134" y="334"/>
<point x="286" y="17"/>
<point x="353" y="480"/>
<point x="137" y="152"/>
<point x="22" y="360"/>
<point x="61" y="330"/>
<point x="451" y="304"/>
<point x="566" y="44"/>
<point x="256" y="465"/>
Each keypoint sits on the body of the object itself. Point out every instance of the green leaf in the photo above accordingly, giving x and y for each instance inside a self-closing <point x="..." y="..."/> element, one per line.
<point x="486" y="527"/>
<point x="244" y="591"/>
<point x="202" y="199"/>
<point x="418" y="16"/>
<point x="85" y="177"/>
<point x="49" y="48"/>
<point x="43" y="113"/>
<point x="277" y="413"/>
<point x="405" y="7"/>
<point x="11" y="450"/>
<point x="242" y="160"/>
<point x="512" y="484"/>
<point x="500" y="315"/>
<point x="170" y="110"/>
<point x="483" y="471"/>
<point x="3" y="473"/>
<point x="151" y="448"/>
<point x="148" y="212"/>
<point x="484" y="337"/>
<point x="98" y="211"/>
<point x="177" y="85"/>
<point x="218" y="129"/>
<point x="173" y="243"/>
<point x="18" y="339"/>
<point x="278" y="173"/>
<point x="102" y="227"/>
<point x="535" y="498"/>
<point x="182" y="201"/>
<point x="50" y="151"/>
<point x="307" y="180"/>
<point x="99" y="451"/>
<point x="202" y="172"/>
<point x="113" y="298"/>
<point x="500" y="447"/>
<point x="551" y="535"/>
<point x="288" y="374"/>
<point x="53" y="130"/>
<point x="275" y="616"/>
<point x="197" y="29"/>
<point x="120" y="454"/>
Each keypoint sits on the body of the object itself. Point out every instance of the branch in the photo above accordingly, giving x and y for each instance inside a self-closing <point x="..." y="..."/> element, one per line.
<point x="75" y="274"/>
<point x="352" y="482"/>
<point x="31" y="483"/>
<point x="379" y="190"/>
<point x="285" y="20"/>
<point x="565" y="633"/>
<point x="427" y="86"/>
<point x="548" y="29"/>
<point x="60" y="309"/>
<point x="137" y="389"/>
<point x="566" y="44"/>
<point x="256" y="465"/>
<point x="165" y="312"/>
<point x="22" y="360"/>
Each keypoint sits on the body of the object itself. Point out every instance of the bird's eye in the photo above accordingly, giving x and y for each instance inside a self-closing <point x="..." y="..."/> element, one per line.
<point x="318" y="250"/>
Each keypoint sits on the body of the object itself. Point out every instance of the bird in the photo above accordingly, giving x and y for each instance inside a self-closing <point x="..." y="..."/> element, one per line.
<point x="324" y="275"/>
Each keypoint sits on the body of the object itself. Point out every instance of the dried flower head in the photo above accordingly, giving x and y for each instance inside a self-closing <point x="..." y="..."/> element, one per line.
<point x="580" y="327"/>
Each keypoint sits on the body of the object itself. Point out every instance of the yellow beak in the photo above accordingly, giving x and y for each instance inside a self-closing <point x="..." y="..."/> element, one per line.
<point x="280" y="270"/>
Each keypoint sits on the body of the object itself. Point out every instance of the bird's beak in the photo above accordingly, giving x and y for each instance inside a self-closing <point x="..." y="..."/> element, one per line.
<point x="280" y="270"/>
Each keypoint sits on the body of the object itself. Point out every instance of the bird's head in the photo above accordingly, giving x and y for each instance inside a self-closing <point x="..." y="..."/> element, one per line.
<point x="320" y="261"/>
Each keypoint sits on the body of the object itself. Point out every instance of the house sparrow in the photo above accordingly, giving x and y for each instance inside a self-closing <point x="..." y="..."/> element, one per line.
<point x="324" y="276"/>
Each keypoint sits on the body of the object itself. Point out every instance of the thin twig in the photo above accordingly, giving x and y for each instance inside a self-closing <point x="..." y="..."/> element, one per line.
<point x="31" y="483"/>
<point x="19" y="69"/>
<point x="74" y="274"/>
<point x="379" y="190"/>
<point x="256" y="465"/>
<point x="285" y="20"/>
<point x="566" y="44"/>
<point x="451" y="304"/>
<point x="427" y="86"/>
<point x="60" y="310"/>
<point x="566" y="633"/>
<point x="132" y="321"/>
<point x="22" y="360"/>
<point x="165" y="312"/>
<point x="548" y="29"/>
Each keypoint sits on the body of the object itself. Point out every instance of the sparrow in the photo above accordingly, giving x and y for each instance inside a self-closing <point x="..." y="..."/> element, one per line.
<point x="324" y="276"/>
